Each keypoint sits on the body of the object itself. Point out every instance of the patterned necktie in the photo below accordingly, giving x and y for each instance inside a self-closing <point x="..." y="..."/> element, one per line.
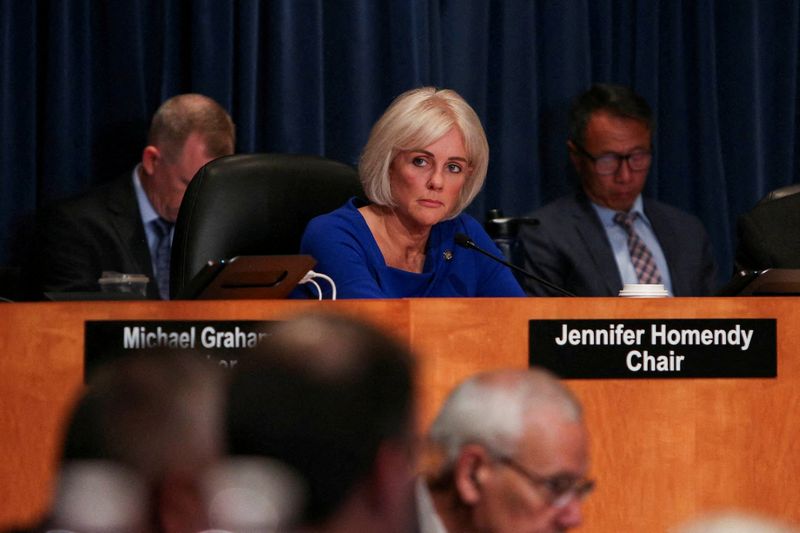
<point x="642" y="258"/>
<point x="162" y="230"/>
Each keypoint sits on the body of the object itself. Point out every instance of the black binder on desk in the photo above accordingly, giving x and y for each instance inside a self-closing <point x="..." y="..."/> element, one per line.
<point x="770" y="282"/>
<point x="251" y="277"/>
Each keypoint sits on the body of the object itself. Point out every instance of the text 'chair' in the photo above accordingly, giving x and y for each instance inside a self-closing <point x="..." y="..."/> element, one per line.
<point x="254" y="204"/>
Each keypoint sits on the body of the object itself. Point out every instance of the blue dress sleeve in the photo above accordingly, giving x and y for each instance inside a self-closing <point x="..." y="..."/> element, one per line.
<point x="346" y="251"/>
<point x="342" y="251"/>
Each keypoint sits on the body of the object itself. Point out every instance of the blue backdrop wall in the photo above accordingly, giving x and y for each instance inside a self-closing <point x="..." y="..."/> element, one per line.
<point x="79" y="80"/>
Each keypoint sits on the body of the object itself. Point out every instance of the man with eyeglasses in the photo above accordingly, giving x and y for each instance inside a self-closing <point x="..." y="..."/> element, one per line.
<point x="605" y="235"/>
<point x="513" y="457"/>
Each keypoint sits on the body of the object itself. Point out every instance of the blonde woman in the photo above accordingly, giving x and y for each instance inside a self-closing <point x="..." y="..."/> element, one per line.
<point x="424" y="162"/>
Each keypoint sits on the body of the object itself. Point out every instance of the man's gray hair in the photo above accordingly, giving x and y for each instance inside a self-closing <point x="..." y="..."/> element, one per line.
<point x="492" y="409"/>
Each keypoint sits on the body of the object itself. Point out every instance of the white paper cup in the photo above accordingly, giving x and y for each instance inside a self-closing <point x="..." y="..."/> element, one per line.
<point x="644" y="290"/>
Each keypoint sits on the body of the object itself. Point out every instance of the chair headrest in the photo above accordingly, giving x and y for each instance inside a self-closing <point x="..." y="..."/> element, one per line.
<point x="782" y="192"/>
<point x="254" y="204"/>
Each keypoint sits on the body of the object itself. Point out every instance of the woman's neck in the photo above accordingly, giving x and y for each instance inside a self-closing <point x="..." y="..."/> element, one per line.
<point x="402" y="245"/>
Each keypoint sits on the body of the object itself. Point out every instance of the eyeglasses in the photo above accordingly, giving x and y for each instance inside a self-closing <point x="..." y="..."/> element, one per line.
<point x="609" y="163"/>
<point x="560" y="489"/>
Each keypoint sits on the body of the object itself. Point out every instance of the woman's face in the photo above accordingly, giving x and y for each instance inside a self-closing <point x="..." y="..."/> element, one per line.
<point x="426" y="182"/>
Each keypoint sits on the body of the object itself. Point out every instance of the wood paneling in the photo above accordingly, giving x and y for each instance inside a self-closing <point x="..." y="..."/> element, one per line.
<point x="662" y="450"/>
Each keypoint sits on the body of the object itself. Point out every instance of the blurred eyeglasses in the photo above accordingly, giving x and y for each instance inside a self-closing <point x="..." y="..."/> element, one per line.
<point x="559" y="490"/>
<point x="607" y="164"/>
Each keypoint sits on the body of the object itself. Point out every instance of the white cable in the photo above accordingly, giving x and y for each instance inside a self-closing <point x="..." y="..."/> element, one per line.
<point x="319" y="289"/>
<point x="309" y="278"/>
<point x="329" y="280"/>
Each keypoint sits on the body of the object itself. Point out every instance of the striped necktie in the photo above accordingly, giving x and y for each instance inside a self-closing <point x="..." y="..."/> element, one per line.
<point x="642" y="258"/>
<point x="162" y="229"/>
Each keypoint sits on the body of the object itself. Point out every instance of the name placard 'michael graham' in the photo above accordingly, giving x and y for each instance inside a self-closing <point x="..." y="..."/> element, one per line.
<point x="223" y="341"/>
<point x="655" y="348"/>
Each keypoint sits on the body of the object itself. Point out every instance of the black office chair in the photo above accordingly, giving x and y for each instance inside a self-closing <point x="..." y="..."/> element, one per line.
<point x="254" y="204"/>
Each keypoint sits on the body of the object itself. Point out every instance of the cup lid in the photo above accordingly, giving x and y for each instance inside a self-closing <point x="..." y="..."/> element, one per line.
<point x="118" y="277"/>
<point x="644" y="289"/>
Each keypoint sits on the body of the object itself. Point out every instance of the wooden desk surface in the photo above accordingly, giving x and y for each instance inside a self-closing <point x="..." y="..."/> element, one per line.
<point x="662" y="450"/>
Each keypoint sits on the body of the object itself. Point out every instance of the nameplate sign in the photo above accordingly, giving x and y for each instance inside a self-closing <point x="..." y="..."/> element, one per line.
<point x="226" y="342"/>
<point x="653" y="348"/>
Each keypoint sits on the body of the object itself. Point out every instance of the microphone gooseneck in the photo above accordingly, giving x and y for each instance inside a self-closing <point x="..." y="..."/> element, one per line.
<point x="465" y="242"/>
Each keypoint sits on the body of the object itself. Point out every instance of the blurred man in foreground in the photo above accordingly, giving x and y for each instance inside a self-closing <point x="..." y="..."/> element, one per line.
<point x="332" y="398"/>
<point x="138" y="445"/>
<point x="514" y="457"/>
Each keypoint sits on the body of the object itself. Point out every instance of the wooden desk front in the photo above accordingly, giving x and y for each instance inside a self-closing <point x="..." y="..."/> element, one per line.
<point x="662" y="450"/>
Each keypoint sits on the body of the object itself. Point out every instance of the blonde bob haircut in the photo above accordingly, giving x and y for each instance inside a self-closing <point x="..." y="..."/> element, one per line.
<point x="414" y="120"/>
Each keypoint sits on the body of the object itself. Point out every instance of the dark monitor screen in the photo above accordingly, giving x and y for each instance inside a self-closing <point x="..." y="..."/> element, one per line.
<point x="254" y="277"/>
<point x="770" y="282"/>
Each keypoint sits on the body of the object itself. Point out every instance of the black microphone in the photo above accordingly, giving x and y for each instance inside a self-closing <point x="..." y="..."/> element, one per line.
<point x="465" y="242"/>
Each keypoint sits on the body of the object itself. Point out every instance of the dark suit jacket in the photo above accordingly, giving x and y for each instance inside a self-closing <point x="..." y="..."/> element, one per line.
<point x="769" y="235"/>
<point x="570" y="249"/>
<point x="78" y="239"/>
